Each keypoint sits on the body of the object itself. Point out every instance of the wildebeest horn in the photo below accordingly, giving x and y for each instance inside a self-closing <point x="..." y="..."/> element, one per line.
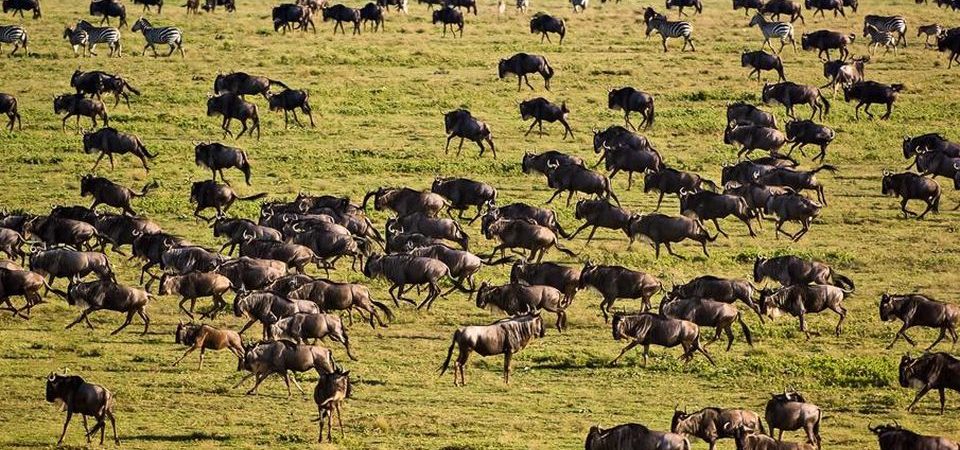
<point x="956" y="165"/>
<point x="553" y="164"/>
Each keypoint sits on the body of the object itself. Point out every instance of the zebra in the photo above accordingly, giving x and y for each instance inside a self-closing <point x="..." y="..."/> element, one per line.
<point x="171" y="36"/>
<point x="582" y="4"/>
<point x="892" y="24"/>
<point x="770" y="29"/>
<point x="668" y="29"/>
<point x="878" y="38"/>
<point x="77" y="38"/>
<point x="101" y="35"/>
<point x="13" y="34"/>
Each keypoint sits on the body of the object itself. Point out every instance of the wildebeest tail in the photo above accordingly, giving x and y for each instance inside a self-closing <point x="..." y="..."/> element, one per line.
<point x="384" y="308"/>
<point x="826" y="104"/>
<point x="147" y="188"/>
<point x="127" y="85"/>
<point x="453" y="343"/>
<point x="842" y="282"/>
<point x="652" y="115"/>
<point x="245" y="167"/>
<point x="897" y="87"/>
<point x="566" y="251"/>
<point x="143" y="148"/>
<point x="746" y="330"/>
<point x="253" y="197"/>
<point x="278" y="83"/>
<point x="826" y="167"/>
<point x="935" y="207"/>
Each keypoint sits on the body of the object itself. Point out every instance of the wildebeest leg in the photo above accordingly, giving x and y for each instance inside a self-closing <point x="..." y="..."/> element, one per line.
<point x="903" y="207"/>
<point x="188" y="313"/>
<point x="506" y="366"/>
<point x="592" y="232"/>
<point x="930" y="204"/>
<point x="125" y="322"/>
<point x="256" y="384"/>
<point x="889" y="110"/>
<point x="629" y="346"/>
<point x="65" y="423"/>
<point x="460" y="147"/>
<point x="717" y="224"/>
<point x="670" y="250"/>
<point x="102" y="154"/>
<point x="461" y="363"/>
<point x="527" y="81"/>
<point x="943" y="334"/>
<point x="569" y="197"/>
<point x="902" y="332"/>
<point x="286" y="380"/>
<point x="567" y="129"/>
<point x="943" y="400"/>
<point x="839" y="309"/>
<point x="83" y="317"/>
<point x="578" y="230"/>
<point x="555" y="194"/>
<point x="923" y="391"/>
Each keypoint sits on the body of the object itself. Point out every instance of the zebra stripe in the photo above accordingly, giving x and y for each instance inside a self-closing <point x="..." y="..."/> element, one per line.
<point x="77" y="37"/>
<point x="160" y="35"/>
<point x="779" y="30"/>
<point x="99" y="35"/>
<point x="891" y="24"/>
<point x="670" y="29"/>
<point x="884" y="38"/>
<point x="10" y="34"/>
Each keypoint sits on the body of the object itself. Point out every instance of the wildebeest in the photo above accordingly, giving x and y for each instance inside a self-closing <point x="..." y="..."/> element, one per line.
<point x="150" y="246"/>
<point x="11" y="243"/>
<point x="194" y="285"/>
<point x="16" y="281"/>
<point x="747" y="438"/>
<point x="340" y="13"/>
<point x="789" y="94"/>
<point x="629" y="99"/>
<point x="747" y="114"/>
<point x="661" y="229"/>
<point x="96" y="83"/>
<point x="565" y="279"/>
<point x="777" y="7"/>
<point x="792" y="207"/>
<point x="189" y="258"/>
<point x="541" y="162"/>
<point x="842" y="73"/>
<point x="633" y="436"/>
<point x="895" y="437"/>
<point x="86" y="399"/>
<point x="120" y="230"/>
<point x="463" y="193"/>
<point x="522" y="64"/>
<point x="754" y="137"/>
<point x="951" y="43"/>
<point x="932" y="29"/>
<point x="574" y="178"/>
<point x="823" y="5"/>
<point x="521" y="233"/>
<point x="295" y="256"/>
<point x="916" y="310"/>
<point x="825" y="40"/>
<point x="792" y="270"/>
<point x="57" y="230"/>
<point x="108" y="141"/>
<point x="910" y="186"/>
<point x="286" y="14"/>
<point x="267" y="308"/>
<point x="108" y="193"/>
<point x="210" y="194"/>
<point x="680" y="4"/>
<point x="302" y="326"/>
<point x="542" y="216"/>
<point x="404" y="201"/>
<point x="707" y="313"/>
<point x="867" y="93"/>
<point x="460" y="123"/>
<point x="789" y="411"/>
<point x="540" y="109"/>
<point x="403" y="270"/>
<point x="745" y="172"/>
<point x="280" y="357"/>
<point x="613" y="282"/>
<point x="205" y="337"/>
<point x="451" y="18"/>
<point x="800" y="300"/>
<point x="19" y="6"/>
<point x="78" y="105"/>
<point x="505" y="336"/>
<point x="725" y="290"/>
<point x="216" y="157"/>
<point x="648" y="329"/>
<point x="760" y="61"/>
<point x="288" y="101"/>
<point x="239" y="230"/>
<point x="371" y="12"/>
<point x="600" y="214"/>
<point x="331" y="390"/>
<point x="747" y="5"/>
<point x="797" y="180"/>
<point x="8" y="106"/>
<point x="713" y="424"/>
<point x="516" y="299"/>
<point x="247" y="273"/>
<point x="929" y="142"/>
<point x="241" y="83"/>
<point x="706" y="205"/>
<point x="672" y="181"/>
<point x="333" y="296"/>
<point x="232" y="106"/>
<point x="804" y="132"/>
<point x="939" y="371"/>
<point x="111" y="296"/>
<point x="544" y="23"/>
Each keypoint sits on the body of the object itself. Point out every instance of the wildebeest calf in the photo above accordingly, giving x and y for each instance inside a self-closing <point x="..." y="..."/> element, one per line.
<point x="289" y="100"/>
<point x="78" y="105"/>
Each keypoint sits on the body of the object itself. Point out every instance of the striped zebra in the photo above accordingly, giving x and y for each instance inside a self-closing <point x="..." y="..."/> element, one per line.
<point x="878" y="38"/>
<point x="668" y="29"/>
<point x="171" y="36"/>
<point x="893" y="24"/>
<point x="101" y="35"/>
<point x="522" y="6"/>
<point x="77" y="38"/>
<point x="13" y="34"/>
<point x="770" y="29"/>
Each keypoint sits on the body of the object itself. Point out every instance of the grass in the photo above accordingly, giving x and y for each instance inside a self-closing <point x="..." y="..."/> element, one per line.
<point x="378" y="100"/>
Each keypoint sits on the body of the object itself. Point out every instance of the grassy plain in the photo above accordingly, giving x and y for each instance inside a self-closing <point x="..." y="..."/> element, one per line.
<point x="378" y="100"/>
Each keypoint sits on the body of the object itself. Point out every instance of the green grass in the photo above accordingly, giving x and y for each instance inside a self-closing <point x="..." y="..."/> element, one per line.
<point x="378" y="100"/>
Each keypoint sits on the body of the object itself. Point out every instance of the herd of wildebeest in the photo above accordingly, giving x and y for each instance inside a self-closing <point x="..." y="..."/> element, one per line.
<point x="420" y="248"/>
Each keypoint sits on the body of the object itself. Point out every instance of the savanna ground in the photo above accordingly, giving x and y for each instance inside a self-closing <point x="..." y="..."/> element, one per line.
<point x="378" y="100"/>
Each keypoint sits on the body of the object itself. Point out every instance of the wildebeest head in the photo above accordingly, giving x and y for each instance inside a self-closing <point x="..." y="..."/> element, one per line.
<point x="767" y="94"/>
<point x="805" y="38"/>
<point x="886" y="307"/>
<point x="617" y="326"/>
<point x="503" y="68"/>
<point x="586" y="274"/>
<point x="62" y="102"/>
<point x="86" y="185"/>
<point x="888" y="187"/>
<point x="482" y="293"/>
<point x="373" y="266"/>
<point x="213" y="105"/>
<point x="909" y="373"/>
<point x="758" y="269"/>
<point x="218" y="83"/>
<point x="60" y="386"/>
<point x="678" y="416"/>
<point x="376" y="194"/>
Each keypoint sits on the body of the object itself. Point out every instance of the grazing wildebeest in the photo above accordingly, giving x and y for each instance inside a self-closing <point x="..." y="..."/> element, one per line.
<point x="341" y="13"/>
<point x="108" y="193"/>
<point x="916" y="310"/>
<point x="799" y="300"/>
<point x="210" y="194"/>
<point x="521" y="233"/>
<point x="792" y="207"/>
<point x="540" y="109"/>
<point x="194" y="285"/>
<point x="939" y="371"/>
<point x="19" y="6"/>
<point x="544" y="23"/>
<point x="633" y="436"/>
<point x="680" y="4"/>
<point x="804" y="132"/>
<point x="288" y="101"/>
<point x="267" y="308"/>
<point x="86" y="399"/>
<point x="789" y="94"/>
<point x="205" y="337"/>
<point x="280" y="357"/>
<point x="451" y="18"/>
<point x="895" y="437"/>
<point x="462" y="193"/>
<point x="460" y="123"/>
<point x="648" y="329"/>
<point x="713" y="424"/>
<point x="910" y="186"/>
<point x="613" y="282"/>
<point x="707" y="313"/>
<point x="725" y="290"/>
<point x="78" y="105"/>
<point x="754" y="137"/>
<point x="842" y="73"/>
<point x="789" y="412"/>
<point x="747" y="114"/>
<point x="516" y="299"/>
<point x="791" y="270"/>
<point x="108" y="141"/>
<point x="825" y="40"/>
<point x="663" y="229"/>
<point x="302" y="326"/>
<point x="777" y="7"/>
<point x="629" y="99"/>
<point x="232" y="106"/>
<point x="331" y="390"/>
<point x="759" y="61"/>
<point x="111" y="296"/>
<point x="522" y="64"/>
<point x="573" y="178"/>
<point x="332" y="296"/>
<point x="8" y="106"/>
<point x="672" y="181"/>
<point x="405" y="201"/>
<point x="216" y="157"/>
<point x="867" y="93"/>
<point x="706" y="205"/>
<point x="506" y="336"/>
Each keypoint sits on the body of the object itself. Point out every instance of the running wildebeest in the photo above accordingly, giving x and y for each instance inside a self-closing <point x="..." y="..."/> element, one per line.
<point x="506" y="336"/>
<point x="804" y="132"/>
<point x="791" y="270"/>
<point x="112" y="194"/>
<point x="930" y="142"/>
<point x="951" y="43"/>
<point x="522" y="64"/>
<point x="302" y="326"/>
<point x="340" y="13"/>
<point x="405" y="201"/>
<point x="460" y="123"/>
<point x="16" y="281"/>
<point x="194" y="285"/>
<point x="910" y="186"/>
<point x="648" y="329"/>
<point x="533" y="162"/>
<point x="267" y="308"/>
<point x="797" y="180"/>
<point x="542" y="216"/>
<point x="19" y="6"/>
<point x="745" y="172"/>
<point x="332" y="296"/>
<point x="613" y="282"/>
<point x="842" y="73"/>
<point x="777" y="7"/>
<point x="629" y="99"/>
<point x="451" y="18"/>
<point x="8" y="106"/>
<point x="521" y="233"/>
<point x="672" y="181"/>
<point x="706" y="205"/>
<point x="789" y="94"/>
<point x="713" y="424"/>
<point x="939" y="371"/>
<point x="205" y="337"/>
<point x="826" y="40"/>
<point x="746" y="114"/>
<point x="661" y="229"/>
<point x="516" y="299"/>
<point x="867" y="93"/>
<point x="540" y="109"/>
<point x="86" y="399"/>
<point x="216" y="157"/>
<point x="210" y="194"/>
<point x="633" y="436"/>
<point x="565" y="279"/>
<point x="97" y="82"/>
<point x="331" y="390"/>
<point x="680" y="4"/>
<point x="573" y="178"/>
<point x="725" y="290"/>
<point x="462" y="193"/>
<point x="895" y="437"/>
<point x="433" y="227"/>
<point x="111" y="296"/>
<point x="800" y="300"/>
<point x="189" y="258"/>
<point x="57" y="230"/>
<point x="463" y="264"/>
<point x="707" y="313"/>
<point x="78" y="105"/>
<point x="544" y="23"/>
<point x="916" y="310"/>
<point x="747" y="5"/>
<point x="789" y="412"/>
<point x="240" y="230"/>
<point x="754" y="137"/>
<point x="823" y="5"/>
<point x="280" y="357"/>
<point x="108" y="141"/>
<point x="288" y="101"/>
<point x="11" y="243"/>
<point x="600" y="213"/>
<point x="241" y="83"/>
<point x="232" y="106"/>
<point x="247" y="273"/>
<point x="792" y="207"/>
<point x="120" y="230"/>
<point x="295" y="256"/>
<point x="760" y="61"/>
